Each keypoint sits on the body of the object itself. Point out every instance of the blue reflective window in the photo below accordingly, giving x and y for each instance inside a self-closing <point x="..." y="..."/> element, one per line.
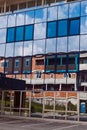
<point x="20" y="33"/>
<point x="62" y="28"/>
<point x="51" y="29"/>
<point x="74" y="27"/>
<point x="10" y="34"/>
<point x="29" y="31"/>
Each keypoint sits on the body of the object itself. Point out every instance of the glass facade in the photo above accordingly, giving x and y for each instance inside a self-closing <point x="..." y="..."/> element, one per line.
<point x="57" y="32"/>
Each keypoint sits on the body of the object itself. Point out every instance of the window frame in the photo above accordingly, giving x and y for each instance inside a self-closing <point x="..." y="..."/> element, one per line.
<point x="55" y="30"/>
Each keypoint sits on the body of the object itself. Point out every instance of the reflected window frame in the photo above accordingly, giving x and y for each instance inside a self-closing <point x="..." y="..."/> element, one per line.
<point x="12" y="33"/>
<point x="22" y="36"/>
<point x="48" y="29"/>
<point x="25" y="32"/>
<point x="71" y="25"/>
<point x="58" y="26"/>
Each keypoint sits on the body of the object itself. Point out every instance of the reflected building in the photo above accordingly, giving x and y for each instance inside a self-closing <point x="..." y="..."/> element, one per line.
<point x="44" y="43"/>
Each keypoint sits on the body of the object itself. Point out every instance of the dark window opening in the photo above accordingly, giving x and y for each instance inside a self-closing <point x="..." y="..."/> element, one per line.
<point x="71" y="60"/>
<point x="40" y="62"/>
<point x="64" y="60"/>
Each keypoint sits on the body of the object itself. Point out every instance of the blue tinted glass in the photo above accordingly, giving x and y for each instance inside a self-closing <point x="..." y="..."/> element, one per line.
<point x="74" y="27"/>
<point x="10" y="34"/>
<point x="62" y="28"/>
<point x="29" y="32"/>
<point x="19" y="33"/>
<point x="51" y="29"/>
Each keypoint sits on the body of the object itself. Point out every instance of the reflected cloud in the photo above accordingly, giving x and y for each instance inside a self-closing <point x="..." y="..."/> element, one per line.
<point x="18" y="49"/>
<point x="51" y="45"/>
<point x="83" y="26"/>
<point x="52" y="13"/>
<point x="27" y="48"/>
<point x="40" y="31"/>
<point x="20" y="18"/>
<point x="63" y="11"/>
<point x="2" y="50"/>
<point x="10" y="47"/>
<point x="3" y="21"/>
<point x="39" y="47"/>
<point x="2" y="35"/>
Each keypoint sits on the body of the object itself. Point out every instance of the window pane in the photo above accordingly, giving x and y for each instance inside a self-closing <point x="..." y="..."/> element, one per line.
<point x="29" y="32"/>
<point x="74" y="9"/>
<point x="11" y="20"/>
<point x="73" y="43"/>
<point x="18" y="49"/>
<point x="27" y="48"/>
<point x="83" y="27"/>
<point x="62" y="44"/>
<point x="83" y="8"/>
<point x="40" y="15"/>
<point x="19" y="33"/>
<point x="62" y="28"/>
<point x="74" y="27"/>
<point x="51" y="45"/>
<point x="3" y="21"/>
<point x="9" y="50"/>
<point x="2" y="50"/>
<point x="39" y="47"/>
<point x="51" y="29"/>
<point x="2" y="35"/>
<point x="83" y="43"/>
<point x="40" y="31"/>
<point x="63" y="11"/>
<point x="52" y="13"/>
<point x="10" y="34"/>
<point x="29" y="19"/>
<point x="20" y="19"/>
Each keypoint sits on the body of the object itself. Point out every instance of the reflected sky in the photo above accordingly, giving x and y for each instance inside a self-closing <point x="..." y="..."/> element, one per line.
<point x="10" y="47"/>
<point x="52" y="13"/>
<point x="18" y="51"/>
<point x="83" y="27"/>
<point x="74" y="10"/>
<point x="51" y="45"/>
<point x="40" y="31"/>
<point x="40" y="15"/>
<point x="73" y="43"/>
<point x="83" y="43"/>
<point x="2" y="50"/>
<point x="83" y="8"/>
<point x="11" y="20"/>
<point x="2" y="35"/>
<point x="62" y="44"/>
<point x="20" y="19"/>
<point x="39" y="47"/>
<point x="27" y="49"/>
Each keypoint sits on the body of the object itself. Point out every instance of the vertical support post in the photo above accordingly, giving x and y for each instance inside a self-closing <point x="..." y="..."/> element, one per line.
<point x="20" y="103"/>
<point x="43" y="104"/>
<point x="66" y="106"/>
<point x="5" y="6"/>
<point x="78" y="105"/>
<point x="30" y="104"/>
<point x="2" y="102"/>
<point x="54" y="104"/>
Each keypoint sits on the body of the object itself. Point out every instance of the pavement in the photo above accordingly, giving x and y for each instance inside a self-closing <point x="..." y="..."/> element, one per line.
<point x="8" y="123"/>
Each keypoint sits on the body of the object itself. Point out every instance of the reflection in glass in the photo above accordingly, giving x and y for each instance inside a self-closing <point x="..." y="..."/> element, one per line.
<point x="73" y="43"/>
<point x="2" y="35"/>
<point x="63" y="11"/>
<point x="74" y="27"/>
<point x="39" y="47"/>
<point x="83" y="43"/>
<point x="62" y="28"/>
<point x="18" y="49"/>
<point x="74" y="9"/>
<point x="19" y="33"/>
<point x="40" y="31"/>
<point x="62" y="44"/>
<point x="83" y="27"/>
<point x="27" y="48"/>
<point x="51" y="29"/>
<point x="2" y="50"/>
<point x="3" y="21"/>
<point x="51" y="45"/>
<point x="20" y="19"/>
<point x="29" y="31"/>
<point x="11" y="20"/>
<point x="9" y="50"/>
<point x="83" y="8"/>
<point x="40" y="15"/>
<point x="52" y="13"/>
<point x="10" y="34"/>
<point x="29" y="18"/>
